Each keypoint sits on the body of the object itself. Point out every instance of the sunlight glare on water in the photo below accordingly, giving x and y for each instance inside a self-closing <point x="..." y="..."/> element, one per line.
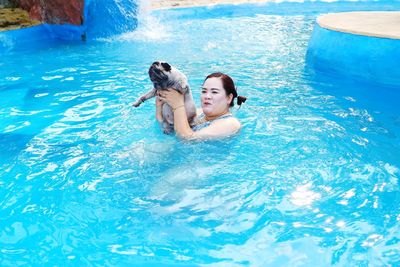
<point x="86" y="179"/>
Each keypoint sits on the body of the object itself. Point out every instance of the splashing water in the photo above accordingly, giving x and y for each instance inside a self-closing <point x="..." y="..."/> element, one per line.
<point x="312" y="179"/>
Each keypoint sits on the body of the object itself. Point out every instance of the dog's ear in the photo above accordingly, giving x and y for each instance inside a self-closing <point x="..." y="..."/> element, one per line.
<point x="166" y="66"/>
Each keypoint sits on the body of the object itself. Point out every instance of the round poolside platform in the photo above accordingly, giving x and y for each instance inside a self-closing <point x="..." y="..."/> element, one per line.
<point x="363" y="45"/>
<point x="374" y="24"/>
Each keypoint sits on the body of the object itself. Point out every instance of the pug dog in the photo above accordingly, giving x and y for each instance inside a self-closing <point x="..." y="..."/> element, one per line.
<point x="164" y="76"/>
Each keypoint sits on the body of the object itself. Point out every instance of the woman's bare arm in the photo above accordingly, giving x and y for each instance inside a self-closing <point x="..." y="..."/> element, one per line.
<point x="159" y="104"/>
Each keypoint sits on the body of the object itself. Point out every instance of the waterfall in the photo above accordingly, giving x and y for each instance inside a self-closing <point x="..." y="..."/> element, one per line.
<point x="149" y="26"/>
<point x="104" y="18"/>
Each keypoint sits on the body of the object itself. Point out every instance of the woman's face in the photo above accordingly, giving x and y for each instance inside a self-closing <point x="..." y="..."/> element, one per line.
<point x="214" y="100"/>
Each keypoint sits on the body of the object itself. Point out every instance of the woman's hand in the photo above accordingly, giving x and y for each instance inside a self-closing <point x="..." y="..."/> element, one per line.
<point x="176" y="101"/>
<point x="172" y="97"/>
<point x="159" y="102"/>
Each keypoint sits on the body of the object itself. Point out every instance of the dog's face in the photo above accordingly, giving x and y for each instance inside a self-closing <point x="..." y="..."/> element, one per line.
<point x="159" y="73"/>
<point x="164" y="75"/>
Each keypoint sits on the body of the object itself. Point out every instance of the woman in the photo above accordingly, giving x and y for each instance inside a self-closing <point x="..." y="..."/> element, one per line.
<point x="215" y="119"/>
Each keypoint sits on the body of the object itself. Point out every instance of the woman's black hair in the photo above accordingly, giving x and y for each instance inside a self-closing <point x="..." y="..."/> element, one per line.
<point x="229" y="87"/>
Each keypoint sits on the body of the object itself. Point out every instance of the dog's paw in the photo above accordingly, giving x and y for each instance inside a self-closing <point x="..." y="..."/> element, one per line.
<point x="168" y="131"/>
<point x="137" y="103"/>
<point x="168" y="128"/>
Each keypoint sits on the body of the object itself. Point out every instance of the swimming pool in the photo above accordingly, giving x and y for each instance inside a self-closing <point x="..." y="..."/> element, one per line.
<point x="311" y="180"/>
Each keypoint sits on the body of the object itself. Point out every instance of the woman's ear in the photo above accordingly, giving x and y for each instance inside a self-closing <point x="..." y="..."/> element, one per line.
<point x="230" y="97"/>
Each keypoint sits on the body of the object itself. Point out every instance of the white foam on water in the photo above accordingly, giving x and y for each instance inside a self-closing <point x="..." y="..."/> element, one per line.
<point x="149" y="27"/>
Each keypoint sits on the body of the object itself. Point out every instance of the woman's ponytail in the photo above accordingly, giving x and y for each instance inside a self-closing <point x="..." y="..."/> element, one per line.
<point x="241" y="100"/>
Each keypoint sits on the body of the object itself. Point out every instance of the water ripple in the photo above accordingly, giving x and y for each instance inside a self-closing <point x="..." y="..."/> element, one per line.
<point x="312" y="178"/>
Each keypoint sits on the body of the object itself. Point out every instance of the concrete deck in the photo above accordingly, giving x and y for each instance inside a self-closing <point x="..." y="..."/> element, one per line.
<point x="382" y="24"/>
<point x="163" y="4"/>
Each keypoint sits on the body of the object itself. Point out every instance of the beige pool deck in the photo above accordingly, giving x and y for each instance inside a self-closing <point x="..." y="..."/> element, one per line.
<point x="383" y="24"/>
<point x="163" y="4"/>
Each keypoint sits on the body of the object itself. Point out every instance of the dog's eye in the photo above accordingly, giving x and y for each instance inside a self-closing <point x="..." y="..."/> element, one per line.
<point x="166" y="66"/>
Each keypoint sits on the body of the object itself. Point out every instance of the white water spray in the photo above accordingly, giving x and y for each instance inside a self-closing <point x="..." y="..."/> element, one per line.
<point x="149" y="26"/>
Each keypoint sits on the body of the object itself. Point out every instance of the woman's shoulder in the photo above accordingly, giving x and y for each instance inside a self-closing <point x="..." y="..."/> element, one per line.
<point x="231" y="121"/>
<point x="227" y="124"/>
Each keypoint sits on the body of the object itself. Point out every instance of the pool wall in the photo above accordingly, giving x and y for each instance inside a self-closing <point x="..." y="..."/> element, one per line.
<point x="363" y="57"/>
<point x="102" y="18"/>
<point x="27" y="37"/>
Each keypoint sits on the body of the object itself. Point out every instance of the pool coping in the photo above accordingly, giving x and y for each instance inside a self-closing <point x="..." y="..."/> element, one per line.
<point x="175" y="4"/>
<point x="381" y="24"/>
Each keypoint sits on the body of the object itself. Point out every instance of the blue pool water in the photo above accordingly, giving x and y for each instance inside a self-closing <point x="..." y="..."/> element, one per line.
<point x="87" y="180"/>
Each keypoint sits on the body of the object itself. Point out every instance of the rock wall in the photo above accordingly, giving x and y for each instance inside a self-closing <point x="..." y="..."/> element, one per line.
<point x="54" y="11"/>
